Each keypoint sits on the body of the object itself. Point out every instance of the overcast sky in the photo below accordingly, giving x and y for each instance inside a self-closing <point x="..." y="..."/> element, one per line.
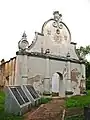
<point x="29" y="15"/>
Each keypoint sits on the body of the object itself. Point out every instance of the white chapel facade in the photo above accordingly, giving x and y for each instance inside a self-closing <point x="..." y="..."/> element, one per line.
<point x="50" y="63"/>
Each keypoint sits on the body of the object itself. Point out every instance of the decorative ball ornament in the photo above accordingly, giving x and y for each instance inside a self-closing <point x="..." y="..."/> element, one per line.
<point x="23" y="43"/>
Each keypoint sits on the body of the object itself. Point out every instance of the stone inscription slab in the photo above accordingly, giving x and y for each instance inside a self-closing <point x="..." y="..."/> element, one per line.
<point x="17" y="96"/>
<point x="22" y="94"/>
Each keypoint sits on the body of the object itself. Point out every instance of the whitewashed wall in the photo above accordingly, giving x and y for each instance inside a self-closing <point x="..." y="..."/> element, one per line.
<point x="45" y="42"/>
<point x="36" y="66"/>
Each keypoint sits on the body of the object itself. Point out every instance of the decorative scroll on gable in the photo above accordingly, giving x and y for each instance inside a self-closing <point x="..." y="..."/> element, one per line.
<point x="56" y="29"/>
<point x="54" y="39"/>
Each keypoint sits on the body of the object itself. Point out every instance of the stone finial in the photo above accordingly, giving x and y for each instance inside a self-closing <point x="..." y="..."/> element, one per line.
<point x="23" y="43"/>
<point x="57" y="16"/>
<point x="24" y="35"/>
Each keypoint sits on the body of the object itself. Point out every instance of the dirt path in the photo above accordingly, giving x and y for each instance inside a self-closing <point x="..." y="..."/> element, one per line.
<point x="50" y="111"/>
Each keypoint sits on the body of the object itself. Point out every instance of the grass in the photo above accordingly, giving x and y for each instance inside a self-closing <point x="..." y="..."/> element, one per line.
<point x="80" y="117"/>
<point x="6" y="116"/>
<point x="3" y="115"/>
<point x="75" y="101"/>
<point x="78" y="101"/>
<point x="45" y="100"/>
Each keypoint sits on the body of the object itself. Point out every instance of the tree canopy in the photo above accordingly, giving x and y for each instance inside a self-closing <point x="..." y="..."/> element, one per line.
<point x="83" y="52"/>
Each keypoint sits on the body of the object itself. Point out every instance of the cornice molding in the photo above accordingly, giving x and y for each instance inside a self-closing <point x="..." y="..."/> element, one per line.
<point x="53" y="57"/>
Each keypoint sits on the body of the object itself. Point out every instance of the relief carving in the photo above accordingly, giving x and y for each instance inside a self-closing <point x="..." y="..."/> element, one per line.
<point x="37" y="82"/>
<point x="82" y="85"/>
<point x="78" y="81"/>
<point x="48" y="32"/>
<point x="75" y="75"/>
<point x="75" y="79"/>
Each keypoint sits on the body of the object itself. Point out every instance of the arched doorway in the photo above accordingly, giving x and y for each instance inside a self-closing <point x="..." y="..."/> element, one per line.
<point x="57" y="83"/>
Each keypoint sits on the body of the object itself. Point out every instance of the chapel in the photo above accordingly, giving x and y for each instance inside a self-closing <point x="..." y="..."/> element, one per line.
<point x="50" y="63"/>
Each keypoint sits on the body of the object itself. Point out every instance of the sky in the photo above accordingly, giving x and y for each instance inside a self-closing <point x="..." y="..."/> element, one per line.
<point x="17" y="16"/>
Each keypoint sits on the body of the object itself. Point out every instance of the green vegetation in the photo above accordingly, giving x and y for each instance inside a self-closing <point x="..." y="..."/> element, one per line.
<point x="78" y="101"/>
<point x="6" y="116"/>
<point x="88" y="83"/>
<point x="45" y="100"/>
<point x="80" y="117"/>
<point x="83" y="52"/>
<point x="3" y="115"/>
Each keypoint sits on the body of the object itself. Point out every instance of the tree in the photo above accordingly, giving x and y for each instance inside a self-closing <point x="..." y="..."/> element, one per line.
<point x="83" y="52"/>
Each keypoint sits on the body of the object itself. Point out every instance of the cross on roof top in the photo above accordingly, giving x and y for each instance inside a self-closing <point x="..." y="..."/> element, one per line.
<point x="57" y="16"/>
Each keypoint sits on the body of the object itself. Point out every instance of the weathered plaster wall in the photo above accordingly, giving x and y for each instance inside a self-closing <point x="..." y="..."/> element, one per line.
<point x="45" y="42"/>
<point x="78" y="71"/>
<point x="36" y="72"/>
<point x="36" y="66"/>
<point x="48" y="53"/>
<point x="56" y="66"/>
<point x="39" y="73"/>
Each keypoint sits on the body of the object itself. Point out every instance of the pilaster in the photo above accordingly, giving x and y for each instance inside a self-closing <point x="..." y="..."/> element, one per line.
<point x="24" y="70"/>
<point x="68" y="76"/>
<point x="68" y="81"/>
<point x="47" y="78"/>
<point x="21" y="70"/>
